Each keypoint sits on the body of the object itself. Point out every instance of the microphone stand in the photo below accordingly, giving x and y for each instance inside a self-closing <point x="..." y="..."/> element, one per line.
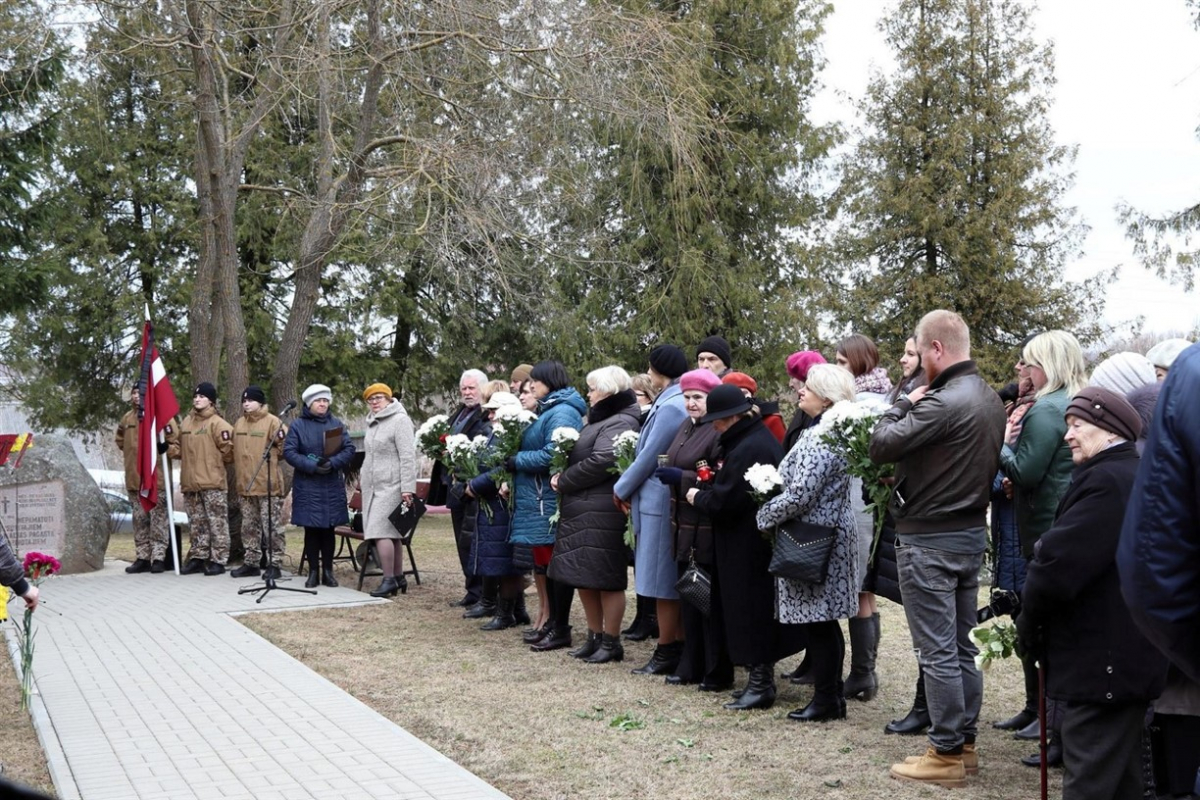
<point x="267" y="541"/>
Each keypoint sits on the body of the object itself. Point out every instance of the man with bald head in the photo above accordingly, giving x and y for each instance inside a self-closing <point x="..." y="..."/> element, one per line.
<point x="945" y="440"/>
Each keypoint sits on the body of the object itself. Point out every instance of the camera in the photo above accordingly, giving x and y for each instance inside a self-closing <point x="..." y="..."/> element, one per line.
<point x="1001" y="602"/>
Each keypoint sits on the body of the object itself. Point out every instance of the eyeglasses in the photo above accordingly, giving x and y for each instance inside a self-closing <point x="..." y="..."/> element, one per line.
<point x="377" y="398"/>
<point x="636" y="393"/>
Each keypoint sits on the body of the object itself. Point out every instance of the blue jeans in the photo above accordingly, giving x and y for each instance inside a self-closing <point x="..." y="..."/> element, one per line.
<point x="940" y="591"/>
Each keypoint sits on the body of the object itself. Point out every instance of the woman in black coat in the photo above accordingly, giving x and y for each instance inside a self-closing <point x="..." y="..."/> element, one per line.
<point x="704" y="657"/>
<point x="589" y="551"/>
<point x="1073" y="617"/>
<point x="742" y="554"/>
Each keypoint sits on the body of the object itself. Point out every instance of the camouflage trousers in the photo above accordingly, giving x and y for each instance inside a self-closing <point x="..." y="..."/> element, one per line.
<point x="254" y="522"/>
<point x="149" y="529"/>
<point x="208" y="519"/>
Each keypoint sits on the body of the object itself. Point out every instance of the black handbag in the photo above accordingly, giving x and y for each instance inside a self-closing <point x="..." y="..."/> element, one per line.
<point x="802" y="551"/>
<point x="405" y="517"/>
<point x="695" y="586"/>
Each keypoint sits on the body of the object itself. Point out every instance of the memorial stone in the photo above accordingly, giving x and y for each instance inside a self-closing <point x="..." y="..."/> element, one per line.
<point x="50" y="504"/>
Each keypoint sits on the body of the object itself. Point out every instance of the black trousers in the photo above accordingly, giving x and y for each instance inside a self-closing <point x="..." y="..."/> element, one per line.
<point x="318" y="547"/>
<point x="1102" y="751"/>
<point x="473" y="584"/>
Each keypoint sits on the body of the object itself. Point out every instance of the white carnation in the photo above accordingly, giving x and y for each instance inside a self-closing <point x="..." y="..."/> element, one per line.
<point x="564" y="435"/>
<point x="763" y="478"/>
<point x="429" y="424"/>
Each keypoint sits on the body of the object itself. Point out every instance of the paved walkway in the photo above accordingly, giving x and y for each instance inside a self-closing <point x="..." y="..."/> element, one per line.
<point x="138" y="697"/>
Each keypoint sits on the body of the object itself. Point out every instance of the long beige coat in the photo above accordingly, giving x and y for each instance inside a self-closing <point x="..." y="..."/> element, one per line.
<point x="389" y="469"/>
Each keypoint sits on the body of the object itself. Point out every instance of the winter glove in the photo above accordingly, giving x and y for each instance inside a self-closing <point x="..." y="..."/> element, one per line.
<point x="671" y="476"/>
<point x="162" y="448"/>
<point x="510" y="464"/>
<point x="324" y="467"/>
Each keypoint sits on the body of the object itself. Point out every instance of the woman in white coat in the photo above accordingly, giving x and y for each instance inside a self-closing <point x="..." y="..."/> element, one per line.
<point x="389" y="478"/>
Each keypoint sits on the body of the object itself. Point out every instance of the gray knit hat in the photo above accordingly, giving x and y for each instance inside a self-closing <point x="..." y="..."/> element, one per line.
<point x="1123" y="372"/>
<point x="1165" y="352"/>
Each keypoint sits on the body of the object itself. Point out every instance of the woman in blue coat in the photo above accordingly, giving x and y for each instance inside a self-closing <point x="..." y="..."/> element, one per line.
<point x="648" y="501"/>
<point x="559" y="406"/>
<point x="318" y="447"/>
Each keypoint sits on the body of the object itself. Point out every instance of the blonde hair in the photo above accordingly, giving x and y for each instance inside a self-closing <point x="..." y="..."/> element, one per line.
<point x="642" y="383"/>
<point x="610" y="379"/>
<point x="1059" y="355"/>
<point x="830" y="382"/>
<point x="488" y="389"/>
<point x="948" y="328"/>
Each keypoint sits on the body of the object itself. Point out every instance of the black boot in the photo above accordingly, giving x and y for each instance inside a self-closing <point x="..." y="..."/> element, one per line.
<point x="558" y="638"/>
<point x="486" y="607"/>
<point x="192" y="566"/>
<point x="647" y="628"/>
<point x="314" y="579"/>
<point x="820" y="709"/>
<point x="327" y="578"/>
<point x="664" y="661"/>
<point x="158" y="566"/>
<point x="760" y="690"/>
<point x="643" y="606"/>
<point x="387" y="587"/>
<point x="917" y="720"/>
<point x="589" y="646"/>
<point x="610" y="649"/>
<point x="214" y="568"/>
<point x="504" y="618"/>
<point x="520" y="613"/>
<point x="1054" y="753"/>
<point x="534" y="635"/>
<point x="802" y="675"/>
<point x="139" y="565"/>
<point x="244" y="571"/>
<point x="862" y="682"/>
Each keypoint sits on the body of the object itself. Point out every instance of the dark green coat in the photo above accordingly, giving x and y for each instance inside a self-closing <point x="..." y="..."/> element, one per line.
<point x="1039" y="467"/>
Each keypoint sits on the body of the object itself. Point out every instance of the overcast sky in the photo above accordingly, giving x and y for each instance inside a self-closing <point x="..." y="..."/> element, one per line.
<point x="1128" y="94"/>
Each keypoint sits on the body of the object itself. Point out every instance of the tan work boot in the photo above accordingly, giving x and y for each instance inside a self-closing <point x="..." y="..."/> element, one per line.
<point x="970" y="759"/>
<point x="933" y="767"/>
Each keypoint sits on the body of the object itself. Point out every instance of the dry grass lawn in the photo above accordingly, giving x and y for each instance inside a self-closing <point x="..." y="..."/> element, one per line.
<point x="544" y="726"/>
<point x="541" y="726"/>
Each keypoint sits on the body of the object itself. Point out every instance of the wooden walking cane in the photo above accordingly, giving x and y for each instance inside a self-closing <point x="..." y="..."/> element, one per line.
<point x="1042" y="728"/>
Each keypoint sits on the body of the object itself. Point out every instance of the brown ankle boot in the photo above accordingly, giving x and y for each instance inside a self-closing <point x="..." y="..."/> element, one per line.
<point x="938" y="768"/>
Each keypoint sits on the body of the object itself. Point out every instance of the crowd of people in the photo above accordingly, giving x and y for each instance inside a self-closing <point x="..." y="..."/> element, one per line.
<point x="1033" y="480"/>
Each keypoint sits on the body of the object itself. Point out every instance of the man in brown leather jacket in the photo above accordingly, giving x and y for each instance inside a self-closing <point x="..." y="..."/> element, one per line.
<point x="945" y="440"/>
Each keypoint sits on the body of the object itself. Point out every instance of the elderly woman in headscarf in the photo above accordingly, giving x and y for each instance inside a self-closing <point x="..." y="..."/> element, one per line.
<point x="388" y="479"/>
<point x="1074" y="618"/>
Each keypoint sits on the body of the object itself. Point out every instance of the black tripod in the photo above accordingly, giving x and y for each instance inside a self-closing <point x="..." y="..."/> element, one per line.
<point x="267" y="539"/>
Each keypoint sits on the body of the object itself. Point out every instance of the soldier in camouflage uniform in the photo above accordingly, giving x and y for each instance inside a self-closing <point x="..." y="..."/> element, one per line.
<point x="251" y="434"/>
<point x="206" y="446"/>
<point x="150" y="535"/>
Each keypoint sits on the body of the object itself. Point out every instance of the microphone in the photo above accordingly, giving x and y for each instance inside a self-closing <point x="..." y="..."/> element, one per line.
<point x="290" y="405"/>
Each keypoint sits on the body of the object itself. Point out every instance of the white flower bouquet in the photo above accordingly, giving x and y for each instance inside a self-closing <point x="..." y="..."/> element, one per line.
<point x="765" y="482"/>
<point x="846" y="428"/>
<point x="995" y="641"/>
<point x="625" y="451"/>
<point x="431" y="436"/>
<point x="564" y="440"/>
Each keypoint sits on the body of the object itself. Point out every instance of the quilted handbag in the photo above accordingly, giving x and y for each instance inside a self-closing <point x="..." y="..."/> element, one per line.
<point x="802" y="551"/>
<point x="695" y="586"/>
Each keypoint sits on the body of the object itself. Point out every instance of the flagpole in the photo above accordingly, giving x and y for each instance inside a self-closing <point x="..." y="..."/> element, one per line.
<point x="166" y="467"/>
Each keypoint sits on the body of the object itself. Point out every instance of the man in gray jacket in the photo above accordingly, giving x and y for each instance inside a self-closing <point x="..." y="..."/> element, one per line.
<point x="945" y="440"/>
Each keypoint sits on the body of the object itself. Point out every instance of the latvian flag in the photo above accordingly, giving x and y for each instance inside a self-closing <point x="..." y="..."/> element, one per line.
<point x="156" y="408"/>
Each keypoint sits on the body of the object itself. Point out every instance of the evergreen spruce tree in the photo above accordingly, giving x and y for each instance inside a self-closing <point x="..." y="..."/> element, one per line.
<point x="954" y="197"/>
